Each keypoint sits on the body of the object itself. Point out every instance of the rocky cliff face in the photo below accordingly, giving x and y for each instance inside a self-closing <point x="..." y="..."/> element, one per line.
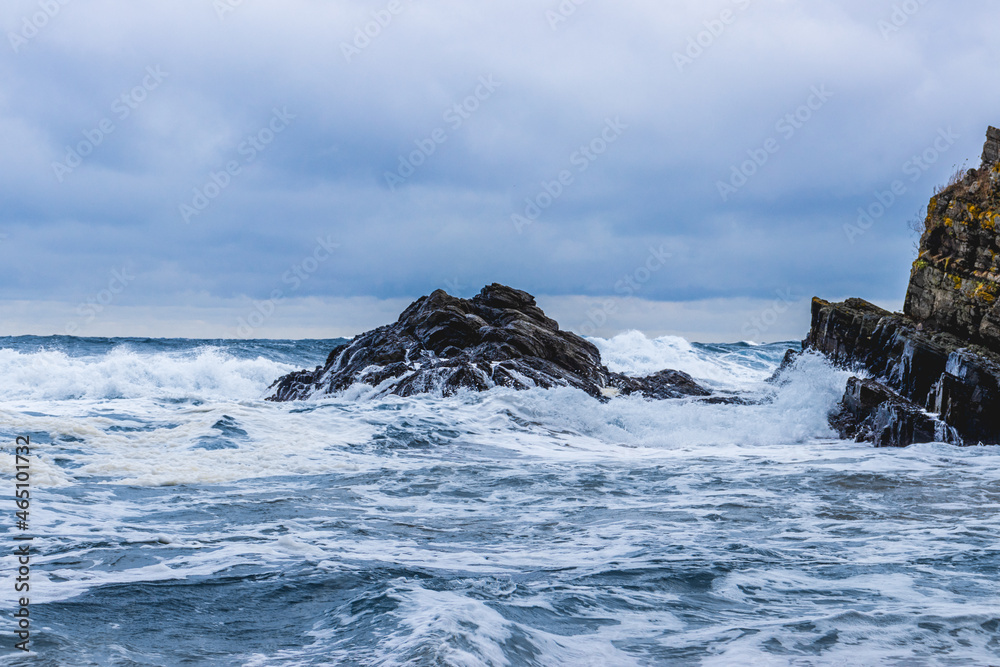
<point x="925" y="386"/>
<point x="441" y="343"/>
<point x="935" y="369"/>
<point x="956" y="279"/>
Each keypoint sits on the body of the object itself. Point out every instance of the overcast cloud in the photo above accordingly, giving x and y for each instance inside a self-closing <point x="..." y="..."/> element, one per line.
<point x="185" y="164"/>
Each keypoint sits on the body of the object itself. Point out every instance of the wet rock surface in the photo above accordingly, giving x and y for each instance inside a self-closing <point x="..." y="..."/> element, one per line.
<point x="914" y="371"/>
<point x="873" y="412"/>
<point x="499" y="338"/>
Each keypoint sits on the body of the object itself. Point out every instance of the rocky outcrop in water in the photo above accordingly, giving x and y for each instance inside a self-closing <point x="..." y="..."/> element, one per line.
<point x="499" y="338"/>
<point x="934" y="369"/>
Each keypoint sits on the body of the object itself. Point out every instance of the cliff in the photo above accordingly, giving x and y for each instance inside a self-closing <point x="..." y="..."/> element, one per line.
<point x="956" y="278"/>
<point x="934" y="369"/>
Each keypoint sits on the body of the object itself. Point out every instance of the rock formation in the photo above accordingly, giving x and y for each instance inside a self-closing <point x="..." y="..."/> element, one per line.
<point x="497" y="338"/>
<point x="934" y="369"/>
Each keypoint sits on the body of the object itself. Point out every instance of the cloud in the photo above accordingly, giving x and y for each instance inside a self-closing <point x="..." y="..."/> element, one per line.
<point x="368" y="92"/>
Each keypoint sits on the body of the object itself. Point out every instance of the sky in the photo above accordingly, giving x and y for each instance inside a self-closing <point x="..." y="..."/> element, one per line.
<point x="305" y="169"/>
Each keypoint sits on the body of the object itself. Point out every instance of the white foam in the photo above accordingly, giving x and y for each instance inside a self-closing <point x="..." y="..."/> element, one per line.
<point x="160" y="443"/>
<point x="452" y="629"/>
<point x="632" y="353"/>
<point x="795" y="411"/>
<point x="208" y="372"/>
<point x="524" y="464"/>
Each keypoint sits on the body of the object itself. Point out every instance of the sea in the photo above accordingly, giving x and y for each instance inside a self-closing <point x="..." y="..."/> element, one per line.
<point x="178" y="518"/>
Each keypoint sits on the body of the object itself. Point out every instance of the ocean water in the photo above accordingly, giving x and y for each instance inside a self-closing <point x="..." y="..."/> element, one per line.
<point x="179" y="519"/>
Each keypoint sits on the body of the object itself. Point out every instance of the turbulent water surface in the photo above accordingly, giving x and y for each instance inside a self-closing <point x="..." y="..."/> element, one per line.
<point x="182" y="520"/>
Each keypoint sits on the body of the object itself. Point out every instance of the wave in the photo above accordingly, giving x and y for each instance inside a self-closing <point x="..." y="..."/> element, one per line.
<point x="794" y="410"/>
<point x="729" y="367"/>
<point x="179" y="369"/>
<point x="126" y="372"/>
<point x="197" y="415"/>
<point x="534" y="527"/>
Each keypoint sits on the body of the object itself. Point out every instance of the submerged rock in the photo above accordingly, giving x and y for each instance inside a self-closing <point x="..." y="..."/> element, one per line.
<point x="935" y="368"/>
<point x="497" y="338"/>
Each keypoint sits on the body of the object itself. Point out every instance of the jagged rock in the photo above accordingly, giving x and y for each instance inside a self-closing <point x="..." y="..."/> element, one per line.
<point x="968" y="396"/>
<point x="786" y="364"/>
<point x="497" y="338"/>
<point x="859" y="335"/>
<point x="991" y="151"/>
<point x="872" y="412"/>
<point x="923" y="369"/>
<point x="660" y="385"/>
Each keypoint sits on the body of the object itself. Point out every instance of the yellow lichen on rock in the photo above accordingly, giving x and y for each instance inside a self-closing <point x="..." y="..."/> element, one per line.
<point x="986" y="291"/>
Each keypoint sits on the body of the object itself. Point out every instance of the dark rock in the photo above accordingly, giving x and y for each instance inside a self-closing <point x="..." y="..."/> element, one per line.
<point x="991" y="151"/>
<point x="967" y="396"/>
<point x="661" y="385"/>
<point x="933" y="371"/>
<point x="732" y="400"/>
<point x="871" y="411"/>
<point x="859" y="335"/>
<point x="497" y="338"/>
<point x="786" y="364"/>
